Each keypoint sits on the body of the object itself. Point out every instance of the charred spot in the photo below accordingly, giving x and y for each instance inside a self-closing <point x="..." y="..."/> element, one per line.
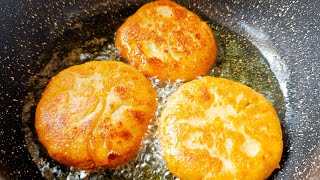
<point x="113" y="156"/>
<point x="180" y="13"/>
<point x="198" y="36"/>
<point x="110" y="135"/>
<point x="111" y="105"/>
<point x="120" y="123"/>
<point x="126" y="135"/>
<point x="121" y="90"/>
<point x="138" y="115"/>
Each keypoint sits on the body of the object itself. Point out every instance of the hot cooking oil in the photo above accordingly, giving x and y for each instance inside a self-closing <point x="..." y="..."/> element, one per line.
<point x="237" y="60"/>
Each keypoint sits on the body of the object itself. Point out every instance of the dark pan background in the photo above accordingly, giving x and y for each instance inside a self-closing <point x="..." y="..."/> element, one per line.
<point x="285" y="31"/>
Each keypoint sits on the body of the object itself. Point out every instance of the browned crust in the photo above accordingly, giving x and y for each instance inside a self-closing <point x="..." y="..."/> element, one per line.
<point x="95" y="114"/>
<point x="213" y="128"/>
<point x="176" y="45"/>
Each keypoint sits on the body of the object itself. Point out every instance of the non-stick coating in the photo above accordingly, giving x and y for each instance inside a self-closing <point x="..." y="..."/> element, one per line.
<point x="285" y="31"/>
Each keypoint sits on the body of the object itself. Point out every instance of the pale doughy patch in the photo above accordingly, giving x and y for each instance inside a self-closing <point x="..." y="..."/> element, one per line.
<point x="214" y="128"/>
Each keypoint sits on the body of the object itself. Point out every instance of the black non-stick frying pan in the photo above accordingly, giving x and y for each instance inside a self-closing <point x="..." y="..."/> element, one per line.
<point x="285" y="32"/>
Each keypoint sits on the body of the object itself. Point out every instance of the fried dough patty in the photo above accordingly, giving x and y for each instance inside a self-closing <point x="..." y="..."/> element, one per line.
<point x="165" y="40"/>
<point x="95" y="114"/>
<point x="214" y="128"/>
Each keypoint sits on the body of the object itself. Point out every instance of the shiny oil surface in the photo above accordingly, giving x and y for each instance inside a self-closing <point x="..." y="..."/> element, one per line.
<point x="285" y="32"/>
<point x="238" y="60"/>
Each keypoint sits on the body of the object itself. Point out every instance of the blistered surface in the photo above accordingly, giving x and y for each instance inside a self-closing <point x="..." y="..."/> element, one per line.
<point x="238" y="60"/>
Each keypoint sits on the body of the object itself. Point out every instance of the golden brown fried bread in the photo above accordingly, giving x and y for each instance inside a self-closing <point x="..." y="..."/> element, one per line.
<point x="165" y="40"/>
<point x="95" y="114"/>
<point x="214" y="128"/>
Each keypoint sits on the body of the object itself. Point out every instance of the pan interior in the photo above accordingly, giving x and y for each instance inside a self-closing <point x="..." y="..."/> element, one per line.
<point x="93" y="38"/>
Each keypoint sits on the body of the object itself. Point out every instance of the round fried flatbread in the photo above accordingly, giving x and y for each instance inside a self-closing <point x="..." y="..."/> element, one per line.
<point x="165" y="40"/>
<point x="95" y="114"/>
<point x="214" y="128"/>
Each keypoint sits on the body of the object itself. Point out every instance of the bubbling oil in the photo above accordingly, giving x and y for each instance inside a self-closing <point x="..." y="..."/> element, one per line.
<point x="237" y="60"/>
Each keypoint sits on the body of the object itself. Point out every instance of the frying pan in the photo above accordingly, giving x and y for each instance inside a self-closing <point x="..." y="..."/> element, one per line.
<point x="286" y="32"/>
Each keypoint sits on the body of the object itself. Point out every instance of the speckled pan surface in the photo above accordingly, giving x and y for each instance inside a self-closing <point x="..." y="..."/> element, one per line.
<point x="285" y="31"/>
